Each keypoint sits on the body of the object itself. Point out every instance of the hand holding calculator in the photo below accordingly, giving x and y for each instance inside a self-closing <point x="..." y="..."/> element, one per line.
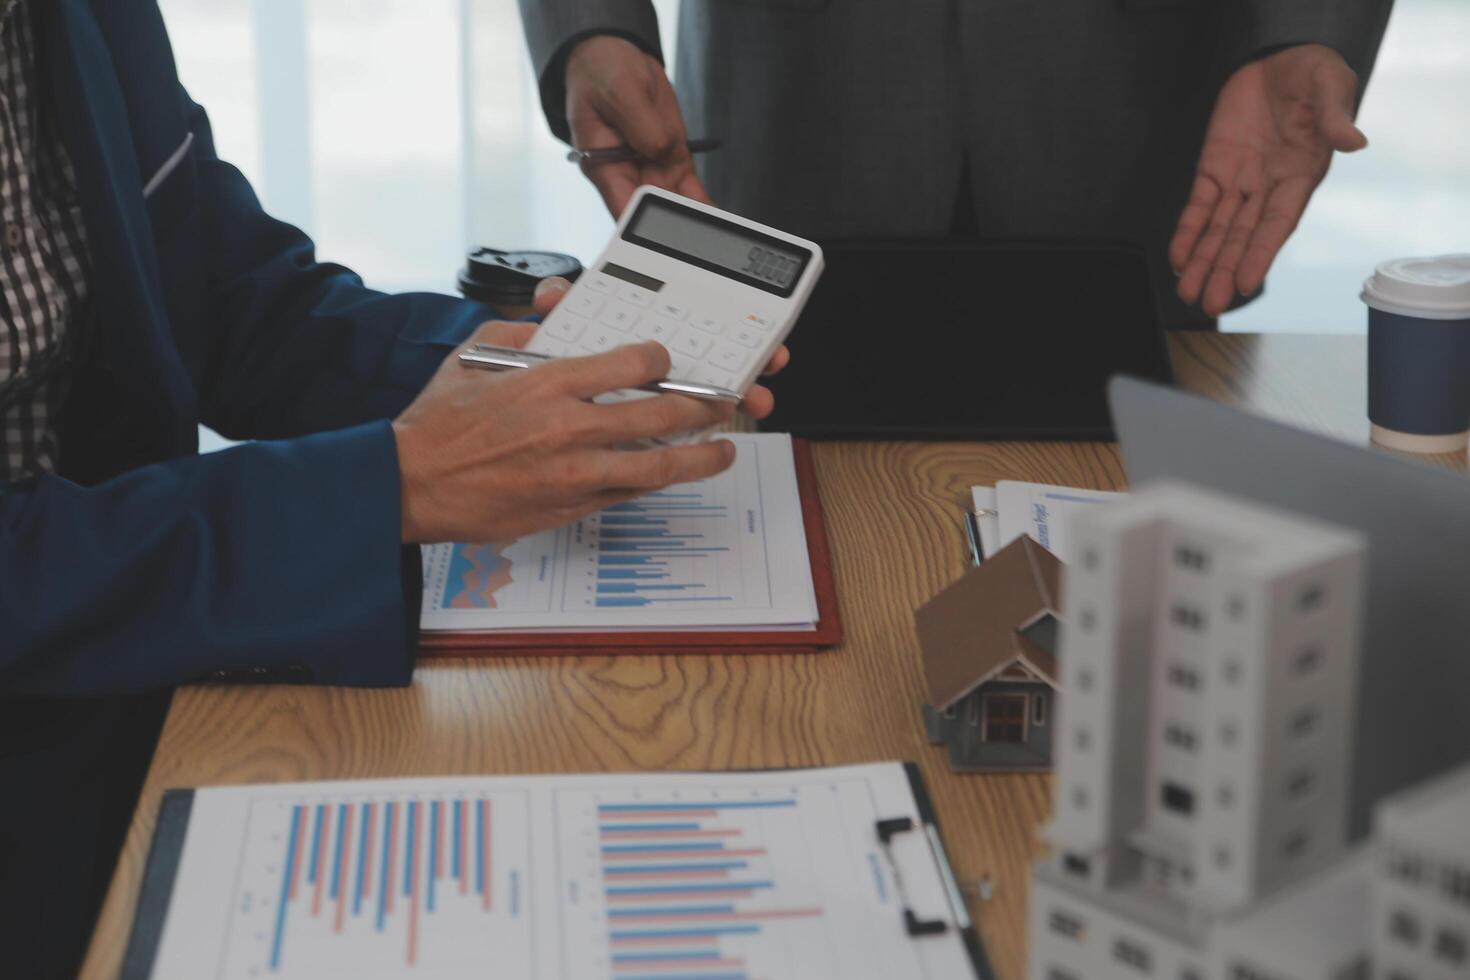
<point x="720" y="292"/>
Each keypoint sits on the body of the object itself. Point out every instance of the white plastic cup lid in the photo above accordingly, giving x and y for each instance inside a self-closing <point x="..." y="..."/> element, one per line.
<point x="1434" y="287"/>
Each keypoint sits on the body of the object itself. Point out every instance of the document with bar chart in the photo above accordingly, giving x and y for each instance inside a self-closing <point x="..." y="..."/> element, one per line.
<point x="738" y="876"/>
<point x="727" y="552"/>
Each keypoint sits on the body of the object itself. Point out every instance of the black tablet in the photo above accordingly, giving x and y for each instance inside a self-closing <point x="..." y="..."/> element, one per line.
<point x="969" y="340"/>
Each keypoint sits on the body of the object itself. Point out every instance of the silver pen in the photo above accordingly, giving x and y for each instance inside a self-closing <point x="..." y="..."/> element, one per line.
<point x="624" y="153"/>
<point x="488" y="357"/>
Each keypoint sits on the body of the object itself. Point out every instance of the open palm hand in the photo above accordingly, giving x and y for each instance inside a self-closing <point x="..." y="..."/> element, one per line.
<point x="1276" y="124"/>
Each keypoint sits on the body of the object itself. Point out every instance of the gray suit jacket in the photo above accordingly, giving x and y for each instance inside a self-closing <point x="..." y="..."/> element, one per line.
<point x="857" y="118"/>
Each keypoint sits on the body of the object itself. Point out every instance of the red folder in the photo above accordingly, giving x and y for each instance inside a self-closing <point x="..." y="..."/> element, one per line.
<point x="827" y="634"/>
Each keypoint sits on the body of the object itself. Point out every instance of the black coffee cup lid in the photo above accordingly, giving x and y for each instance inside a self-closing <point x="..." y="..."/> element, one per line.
<point x="491" y="275"/>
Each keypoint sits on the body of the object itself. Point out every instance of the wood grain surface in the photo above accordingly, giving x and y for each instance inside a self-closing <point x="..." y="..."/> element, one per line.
<point x="893" y="511"/>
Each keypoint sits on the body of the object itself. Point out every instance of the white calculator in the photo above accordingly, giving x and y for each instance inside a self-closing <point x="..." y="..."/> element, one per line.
<point x="720" y="292"/>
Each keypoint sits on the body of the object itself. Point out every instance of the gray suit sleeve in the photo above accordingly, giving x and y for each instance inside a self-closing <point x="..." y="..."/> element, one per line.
<point x="1353" y="28"/>
<point x="554" y="26"/>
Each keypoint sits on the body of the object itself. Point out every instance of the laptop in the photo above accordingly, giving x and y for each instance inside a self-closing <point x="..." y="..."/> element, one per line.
<point x="1414" y="673"/>
<point x="969" y="340"/>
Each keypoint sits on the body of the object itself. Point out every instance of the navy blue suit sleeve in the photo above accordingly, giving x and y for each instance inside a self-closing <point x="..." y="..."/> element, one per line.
<point x="297" y="345"/>
<point x="271" y="560"/>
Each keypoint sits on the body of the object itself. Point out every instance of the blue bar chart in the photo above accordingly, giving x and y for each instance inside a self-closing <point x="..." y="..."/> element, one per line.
<point x="718" y="886"/>
<point x="663" y="548"/>
<point x="681" y="880"/>
<point x="380" y="887"/>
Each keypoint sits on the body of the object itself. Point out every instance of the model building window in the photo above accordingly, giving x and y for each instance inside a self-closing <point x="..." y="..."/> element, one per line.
<point x="1404" y="927"/>
<point x="1188" y="556"/>
<point x="1307" y="660"/>
<point x="1450" y="946"/>
<point x="1084" y="679"/>
<point x="1005" y="717"/>
<point x="1235" y="608"/>
<point x="1177" y="798"/>
<point x="1126" y="951"/>
<point x="1406" y="867"/>
<point x="1182" y="676"/>
<point x="1038" y="709"/>
<point x="1083" y="739"/>
<point x="1299" y="783"/>
<point x="1457" y="885"/>
<point x="1311" y="598"/>
<point x="1295" y="844"/>
<point x="1190" y="973"/>
<point x="1180" y="737"/>
<point x="1186" y="617"/>
<point x="1057" y="973"/>
<point x="1066" y="925"/>
<point x="1077" y="865"/>
<point x="1304" y="722"/>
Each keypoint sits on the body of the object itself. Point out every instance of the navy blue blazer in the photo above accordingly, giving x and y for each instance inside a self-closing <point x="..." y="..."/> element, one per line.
<point x="142" y="564"/>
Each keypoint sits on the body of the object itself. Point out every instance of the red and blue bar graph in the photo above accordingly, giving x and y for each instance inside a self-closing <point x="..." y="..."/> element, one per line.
<point x="349" y="857"/>
<point x="680" y="881"/>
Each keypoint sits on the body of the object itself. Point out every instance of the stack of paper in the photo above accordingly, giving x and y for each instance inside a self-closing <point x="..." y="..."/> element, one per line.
<point x="1010" y="509"/>
<point x="728" y="553"/>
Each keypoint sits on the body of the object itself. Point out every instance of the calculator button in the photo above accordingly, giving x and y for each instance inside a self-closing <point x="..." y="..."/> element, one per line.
<point x="636" y="296"/>
<point x="619" y="316"/>
<point x="671" y="310"/>
<point x="756" y="320"/>
<point x="542" y="344"/>
<point x="691" y="343"/>
<point x="600" y="283"/>
<point x="714" y="376"/>
<point x="747" y="336"/>
<point x="584" y="304"/>
<point x="728" y="357"/>
<point x="599" y="339"/>
<point x="683" y="366"/>
<point x="708" y="324"/>
<point x="656" y="328"/>
<point x="565" y="327"/>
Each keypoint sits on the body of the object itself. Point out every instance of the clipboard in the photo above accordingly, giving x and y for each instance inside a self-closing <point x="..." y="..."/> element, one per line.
<point x="959" y="917"/>
<point x="593" y="644"/>
<point x="161" y="874"/>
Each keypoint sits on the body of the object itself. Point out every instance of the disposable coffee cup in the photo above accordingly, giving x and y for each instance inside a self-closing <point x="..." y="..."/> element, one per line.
<point x="1419" y="353"/>
<point x="507" y="280"/>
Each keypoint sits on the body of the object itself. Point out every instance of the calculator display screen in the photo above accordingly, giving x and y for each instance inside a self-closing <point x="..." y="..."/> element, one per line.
<point x="719" y="246"/>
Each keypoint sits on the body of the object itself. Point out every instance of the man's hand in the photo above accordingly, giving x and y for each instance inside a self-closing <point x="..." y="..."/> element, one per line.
<point x="617" y="94"/>
<point x="1270" y="140"/>
<point x="487" y="457"/>
<point x="494" y="457"/>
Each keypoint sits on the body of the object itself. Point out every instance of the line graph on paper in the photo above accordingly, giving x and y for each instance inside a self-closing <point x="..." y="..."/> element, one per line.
<point x="412" y="885"/>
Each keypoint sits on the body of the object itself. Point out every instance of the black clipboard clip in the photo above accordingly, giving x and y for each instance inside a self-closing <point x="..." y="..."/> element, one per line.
<point x="915" y="926"/>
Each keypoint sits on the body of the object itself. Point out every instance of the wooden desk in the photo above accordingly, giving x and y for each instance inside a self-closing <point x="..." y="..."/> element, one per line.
<point x="894" y="512"/>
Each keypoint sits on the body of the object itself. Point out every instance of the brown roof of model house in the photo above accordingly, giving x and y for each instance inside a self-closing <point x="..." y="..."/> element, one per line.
<point x="972" y="631"/>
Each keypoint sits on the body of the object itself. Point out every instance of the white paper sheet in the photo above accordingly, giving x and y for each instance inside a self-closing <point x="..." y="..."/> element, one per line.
<point x="740" y="875"/>
<point x="726" y="552"/>
<point x="1044" y="512"/>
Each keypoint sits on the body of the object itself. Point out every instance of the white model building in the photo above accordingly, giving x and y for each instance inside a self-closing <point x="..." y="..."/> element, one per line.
<point x="1208" y="668"/>
<point x="1421" y="887"/>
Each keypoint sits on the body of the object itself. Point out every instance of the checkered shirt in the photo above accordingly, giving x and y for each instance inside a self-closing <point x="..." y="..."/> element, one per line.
<point x="43" y="259"/>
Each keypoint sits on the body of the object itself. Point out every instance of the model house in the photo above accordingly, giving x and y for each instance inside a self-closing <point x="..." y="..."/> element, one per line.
<point x="1203" y="749"/>
<point x="990" y="658"/>
<point x="1421" y="888"/>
